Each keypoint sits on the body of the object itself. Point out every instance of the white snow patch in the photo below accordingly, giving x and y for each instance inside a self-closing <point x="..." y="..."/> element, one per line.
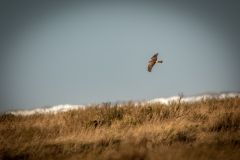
<point x="53" y="110"/>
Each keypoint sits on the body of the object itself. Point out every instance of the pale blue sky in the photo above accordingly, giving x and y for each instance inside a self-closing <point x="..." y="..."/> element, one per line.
<point x="93" y="52"/>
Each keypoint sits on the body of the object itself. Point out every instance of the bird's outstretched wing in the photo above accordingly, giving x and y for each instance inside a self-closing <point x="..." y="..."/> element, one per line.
<point x="154" y="57"/>
<point x="150" y="66"/>
<point x="152" y="62"/>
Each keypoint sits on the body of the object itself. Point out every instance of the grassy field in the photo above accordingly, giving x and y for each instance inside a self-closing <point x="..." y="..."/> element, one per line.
<point x="207" y="129"/>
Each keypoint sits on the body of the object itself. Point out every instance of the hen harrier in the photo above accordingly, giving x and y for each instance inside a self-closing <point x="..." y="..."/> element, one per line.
<point x="152" y="62"/>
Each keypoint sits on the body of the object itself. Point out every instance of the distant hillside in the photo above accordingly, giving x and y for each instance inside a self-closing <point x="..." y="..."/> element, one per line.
<point x="66" y="107"/>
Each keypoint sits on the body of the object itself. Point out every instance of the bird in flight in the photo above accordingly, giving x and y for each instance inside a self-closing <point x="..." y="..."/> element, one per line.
<point x="152" y="62"/>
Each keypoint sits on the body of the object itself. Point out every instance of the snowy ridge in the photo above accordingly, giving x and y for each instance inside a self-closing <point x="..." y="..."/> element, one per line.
<point x="193" y="98"/>
<point x="54" y="110"/>
<point x="66" y="107"/>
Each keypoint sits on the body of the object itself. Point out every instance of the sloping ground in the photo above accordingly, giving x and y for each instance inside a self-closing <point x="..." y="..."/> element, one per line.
<point x="205" y="129"/>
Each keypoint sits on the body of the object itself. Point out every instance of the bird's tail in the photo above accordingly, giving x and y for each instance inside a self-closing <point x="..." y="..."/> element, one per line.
<point x="159" y="61"/>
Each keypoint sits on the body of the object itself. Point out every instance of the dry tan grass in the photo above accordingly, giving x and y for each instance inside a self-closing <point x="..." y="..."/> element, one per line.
<point x="208" y="129"/>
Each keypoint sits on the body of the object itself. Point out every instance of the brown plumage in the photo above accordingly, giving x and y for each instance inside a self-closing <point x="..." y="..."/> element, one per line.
<point x="152" y="62"/>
